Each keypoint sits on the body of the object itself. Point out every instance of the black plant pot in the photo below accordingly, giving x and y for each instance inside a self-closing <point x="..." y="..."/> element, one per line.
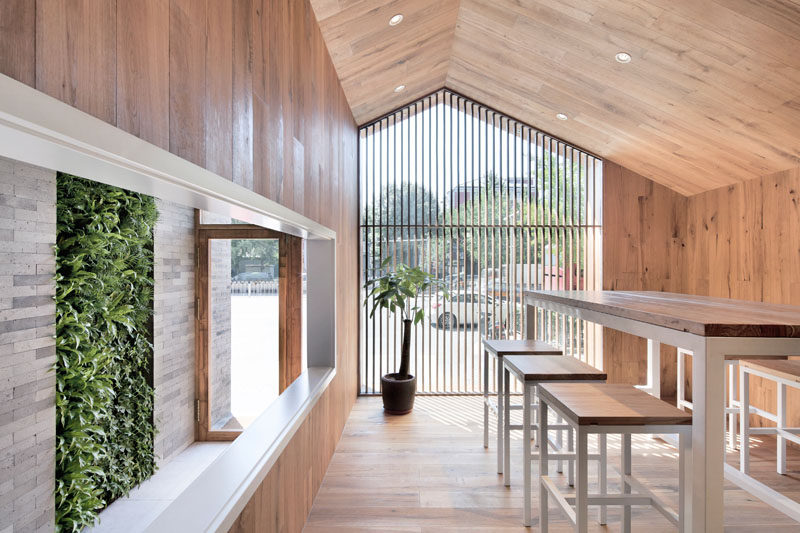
<point x="398" y="394"/>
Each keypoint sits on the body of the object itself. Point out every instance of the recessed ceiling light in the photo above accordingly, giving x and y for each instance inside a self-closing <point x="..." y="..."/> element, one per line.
<point x="623" y="57"/>
<point x="395" y="20"/>
<point x="561" y="116"/>
<point x="400" y="88"/>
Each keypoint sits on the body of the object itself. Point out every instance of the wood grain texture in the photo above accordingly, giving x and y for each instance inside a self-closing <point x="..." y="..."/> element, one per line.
<point x="201" y="102"/>
<point x="18" y="40"/>
<point x="503" y="347"/>
<point x="730" y="242"/>
<point x="76" y="57"/>
<point x="427" y="472"/>
<point x="788" y="370"/>
<point x="738" y="245"/>
<point x="290" y="327"/>
<point x="219" y="88"/>
<point x="706" y="316"/>
<point x="551" y="368"/>
<point x="243" y="93"/>
<point x="372" y="58"/>
<point x="708" y="100"/>
<point x="143" y="69"/>
<point x="610" y="404"/>
<point x="643" y="247"/>
<point x="187" y="79"/>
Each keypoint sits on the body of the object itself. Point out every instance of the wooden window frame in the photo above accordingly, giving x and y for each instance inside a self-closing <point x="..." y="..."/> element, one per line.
<point x="290" y="317"/>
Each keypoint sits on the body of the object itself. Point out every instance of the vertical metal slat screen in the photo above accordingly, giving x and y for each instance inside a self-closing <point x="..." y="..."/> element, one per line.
<point x="491" y="206"/>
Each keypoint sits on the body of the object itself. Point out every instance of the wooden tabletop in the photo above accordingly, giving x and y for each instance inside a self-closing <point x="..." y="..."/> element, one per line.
<point x="610" y="405"/>
<point x="784" y="369"/>
<point x="502" y="348"/>
<point x="551" y="368"/>
<point x="701" y="315"/>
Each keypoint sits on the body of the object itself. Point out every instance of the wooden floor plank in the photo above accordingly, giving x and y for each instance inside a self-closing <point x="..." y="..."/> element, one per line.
<point x="427" y="472"/>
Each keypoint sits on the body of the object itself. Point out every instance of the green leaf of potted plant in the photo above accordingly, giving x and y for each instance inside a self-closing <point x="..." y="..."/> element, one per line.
<point x="400" y="288"/>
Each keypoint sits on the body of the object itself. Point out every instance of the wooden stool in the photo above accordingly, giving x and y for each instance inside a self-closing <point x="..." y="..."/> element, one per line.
<point x="499" y="349"/>
<point x="533" y="371"/>
<point x="602" y="409"/>
<point x="786" y="373"/>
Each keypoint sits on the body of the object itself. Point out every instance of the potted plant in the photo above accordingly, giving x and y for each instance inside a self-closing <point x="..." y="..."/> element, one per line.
<point x="400" y="289"/>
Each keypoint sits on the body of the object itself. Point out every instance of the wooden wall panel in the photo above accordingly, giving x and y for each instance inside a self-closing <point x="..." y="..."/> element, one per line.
<point x="18" y="40"/>
<point x="187" y="79"/>
<point x="243" y="93"/>
<point x="736" y="242"/>
<point x="248" y="90"/>
<point x="87" y="29"/>
<point x="742" y="242"/>
<point x="143" y="69"/>
<point x="643" y="226"/>
<point x="219" y="88"/>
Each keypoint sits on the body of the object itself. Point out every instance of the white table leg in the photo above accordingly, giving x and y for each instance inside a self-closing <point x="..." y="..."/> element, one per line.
<point x="506" y="428"/>
<point x="582" y="483"/>
<point x="744" y="417"/>
<point x="681" y="379"/>
<point x="654" y="367"/>
<point x="485" y="399"/>
<point x="526" y="453"/>
<point x="602" y="474"/>
<point x="781" y="425"/>
<point x="543" y="471"/>
<point x="625" y="470"/>
<point x="708" y="438"/>
<point x="499" y="372"/>
<point x="684" y="471"/>
<point x="732" y="394"/>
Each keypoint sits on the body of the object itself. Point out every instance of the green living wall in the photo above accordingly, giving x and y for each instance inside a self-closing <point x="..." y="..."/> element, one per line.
<point x="104" y="307"/>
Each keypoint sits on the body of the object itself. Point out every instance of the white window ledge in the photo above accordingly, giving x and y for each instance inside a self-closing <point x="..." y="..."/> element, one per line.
<point x="214" y="500"/>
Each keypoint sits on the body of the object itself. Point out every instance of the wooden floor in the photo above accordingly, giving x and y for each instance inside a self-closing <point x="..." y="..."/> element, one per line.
<point x="428" y="472"/>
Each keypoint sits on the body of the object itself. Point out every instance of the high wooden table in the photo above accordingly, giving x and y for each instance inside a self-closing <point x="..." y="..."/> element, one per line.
<point x="710" y="328"/>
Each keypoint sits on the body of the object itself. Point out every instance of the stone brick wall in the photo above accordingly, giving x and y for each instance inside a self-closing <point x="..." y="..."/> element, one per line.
<point x="220" y="253"/>
<point x="27" y="347"/>
<point x="220" y="332"/>
<point x="27" y="344"/>
<point x="173" y="329"/>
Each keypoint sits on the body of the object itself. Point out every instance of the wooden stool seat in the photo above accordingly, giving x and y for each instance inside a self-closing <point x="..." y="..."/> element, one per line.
<point x="785" y="369"/>
<point x="504" y="347"/>
<point x="610" y="405"/>
<point x="499" y="349"/>
<point x="552" y="368"/>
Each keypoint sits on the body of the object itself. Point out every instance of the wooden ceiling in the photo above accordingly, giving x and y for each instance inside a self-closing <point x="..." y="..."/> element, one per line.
<point x="711" y="96"/>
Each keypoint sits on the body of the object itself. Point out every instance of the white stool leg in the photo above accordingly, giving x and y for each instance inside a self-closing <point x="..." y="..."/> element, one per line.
<point x="732" y="367"/>
<point x="526" y="446"/>
<point x="781" y="425"/>
<point x="535" y="417"/>
<point x="602" y="474"/>
<point x="570" y="464"/>
<point x="499" y="372"/>
<point x="681" y="380"/>
<point x="560" y="445"/>
<point x="684" y="453"/>
<point x="582" y="483"/>
<point x="625" y="470"/>
<point x="485" y="399"/>
<point x="744" y="420"/>
<point x="506" y="428"/>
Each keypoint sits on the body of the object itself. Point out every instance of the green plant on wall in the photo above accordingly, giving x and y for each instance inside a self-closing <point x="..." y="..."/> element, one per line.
<point x="104" y="304"/>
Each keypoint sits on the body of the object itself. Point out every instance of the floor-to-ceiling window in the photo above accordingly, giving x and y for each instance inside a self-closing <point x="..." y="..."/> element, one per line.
<point x="489" y="205"/>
